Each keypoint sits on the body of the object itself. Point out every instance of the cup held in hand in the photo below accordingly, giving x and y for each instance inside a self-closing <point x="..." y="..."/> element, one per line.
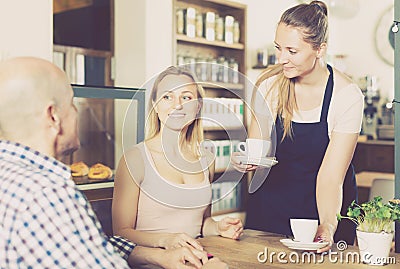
<point x="304" y="230"/>
<point x="254" y="148"/>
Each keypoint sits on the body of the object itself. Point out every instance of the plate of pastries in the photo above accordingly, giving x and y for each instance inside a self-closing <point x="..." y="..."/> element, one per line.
<point x="80" y="172"/>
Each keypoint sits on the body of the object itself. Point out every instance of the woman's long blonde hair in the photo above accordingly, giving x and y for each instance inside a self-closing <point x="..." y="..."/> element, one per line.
<point x="312" y="20"/>
<point x="194" y="134"/>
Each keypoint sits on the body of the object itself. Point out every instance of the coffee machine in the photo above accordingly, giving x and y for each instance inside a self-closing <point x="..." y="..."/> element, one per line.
<point x="370" y="120"/>
<point x="385" y="130"/>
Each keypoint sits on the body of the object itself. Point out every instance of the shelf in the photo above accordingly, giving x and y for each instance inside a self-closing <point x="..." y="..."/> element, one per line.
<point x="203" y="41"/>
<point x="95" y="186"/>
<point x="377" y="142"/>
<point x="223" y="85"/>
<point x="192" y="48"/>
<point x="259" y="66"/>
<point x="79" y="181"/>
<point x="220" y="128"/>
<point x="226" y="3"/>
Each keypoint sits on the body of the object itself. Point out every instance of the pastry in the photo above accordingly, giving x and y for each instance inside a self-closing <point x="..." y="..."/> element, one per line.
<point x="100" y="171"/>
<point x="79" y="169"/>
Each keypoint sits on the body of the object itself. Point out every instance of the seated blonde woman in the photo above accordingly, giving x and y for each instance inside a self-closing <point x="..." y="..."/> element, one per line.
<point x="162" y="189"/>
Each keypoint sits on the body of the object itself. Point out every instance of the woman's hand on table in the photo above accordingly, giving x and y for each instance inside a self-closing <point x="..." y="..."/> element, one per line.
<point x="182" y="257"/>
<point x="215" y="263"/>
<point x="173" y="258"/>
<point x="185" y="257"/>
<point x="325" y="233"/>
<point x="176" y="240"/>
<point x="239" y="166"/>
<point x="230" y="228"/>
<point x="212" y="263"/>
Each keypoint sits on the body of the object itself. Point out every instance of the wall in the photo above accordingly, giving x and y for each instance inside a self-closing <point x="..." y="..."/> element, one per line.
<point x="26" y="28"/>
<point x="143" y="41"/>
<point x="130" y="61"/>
<point x="143" y="48"/>
<point x="130" y="42"/>
<point x="353" y="37"/>
<point x="143" y="36"/>
<point x="158" y="36"/>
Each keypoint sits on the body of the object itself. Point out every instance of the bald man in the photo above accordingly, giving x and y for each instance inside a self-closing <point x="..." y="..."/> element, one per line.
<point x="45" y="222"/>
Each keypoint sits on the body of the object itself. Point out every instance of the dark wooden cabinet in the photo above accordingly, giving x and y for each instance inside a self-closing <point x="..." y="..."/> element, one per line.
<point x="102" y="208"/>
<point x="374" y="156"/>
<point x="372" y="159"/>
<point x="101" y="201"/>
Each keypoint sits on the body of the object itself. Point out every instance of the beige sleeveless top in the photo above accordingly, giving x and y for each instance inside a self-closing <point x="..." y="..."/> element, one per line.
<point x="164" y="206"/>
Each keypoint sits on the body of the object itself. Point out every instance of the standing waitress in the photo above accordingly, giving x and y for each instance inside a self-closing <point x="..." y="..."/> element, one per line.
<point x="317" y="112"/>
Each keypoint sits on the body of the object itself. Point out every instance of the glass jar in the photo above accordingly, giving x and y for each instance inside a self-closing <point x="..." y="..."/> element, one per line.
<point x="190" y="22"/>
<point x="201" y="68"/>
<point x="199" y="25"/>
<point x="213" y="69"/>
<point x="219" y="28"/>
<point x="209" y="22"/>
<point x="236" y="32"/>
<point x="233" y="71"/>
<point x="180" y="60"/>
<point x="190" y="64"/>
<point x="223" y="69"/>
<point x="180" y="23"/>
<point x="228" y="29"/>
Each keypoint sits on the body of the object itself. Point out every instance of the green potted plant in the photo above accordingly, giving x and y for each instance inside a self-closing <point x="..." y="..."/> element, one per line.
<point x="374" y="220"/>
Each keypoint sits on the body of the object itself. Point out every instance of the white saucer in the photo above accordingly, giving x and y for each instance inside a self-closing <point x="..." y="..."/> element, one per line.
<point x="290" y="243"/>
<point x="265" y="161"/>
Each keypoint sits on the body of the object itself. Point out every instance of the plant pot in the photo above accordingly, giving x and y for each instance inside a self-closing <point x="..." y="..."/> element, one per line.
<point x="374" y="247"/>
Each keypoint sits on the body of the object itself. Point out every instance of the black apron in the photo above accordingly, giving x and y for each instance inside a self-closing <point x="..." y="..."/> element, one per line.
<point x="290" y="188"/>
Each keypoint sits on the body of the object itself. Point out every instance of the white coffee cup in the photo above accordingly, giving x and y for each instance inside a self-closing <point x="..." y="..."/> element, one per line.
<point x="304" y="230"/>
<point x="254" y="148"/>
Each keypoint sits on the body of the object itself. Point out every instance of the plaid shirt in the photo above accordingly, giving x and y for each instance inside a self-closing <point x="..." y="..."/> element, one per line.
<point x="45" y="221"/>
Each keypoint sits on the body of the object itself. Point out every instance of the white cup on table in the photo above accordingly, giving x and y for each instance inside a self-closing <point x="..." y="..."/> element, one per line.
<point x="304" y="230"/>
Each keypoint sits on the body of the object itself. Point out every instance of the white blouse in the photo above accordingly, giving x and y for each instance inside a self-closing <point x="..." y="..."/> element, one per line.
<point x="344" y="115"/>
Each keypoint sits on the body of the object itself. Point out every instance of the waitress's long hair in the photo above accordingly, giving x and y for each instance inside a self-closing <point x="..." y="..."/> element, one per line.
<point x="312" y="20"/>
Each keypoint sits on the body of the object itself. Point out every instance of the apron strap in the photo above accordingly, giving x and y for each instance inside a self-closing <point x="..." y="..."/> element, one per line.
<point x="327" y="96"/>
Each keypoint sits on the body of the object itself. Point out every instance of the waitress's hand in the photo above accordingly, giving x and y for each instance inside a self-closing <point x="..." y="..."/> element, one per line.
<point x="325" y="233"/>
<point x="177" y="240"/>
<point x="239" y="166"/>
<point x="230" y="228"/>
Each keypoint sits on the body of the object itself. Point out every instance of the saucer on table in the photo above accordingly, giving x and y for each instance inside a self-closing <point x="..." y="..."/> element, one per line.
<point x="290" y="243"/>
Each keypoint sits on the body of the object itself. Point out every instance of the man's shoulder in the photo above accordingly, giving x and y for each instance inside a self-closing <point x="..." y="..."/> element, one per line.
<point x="26" y="180"/>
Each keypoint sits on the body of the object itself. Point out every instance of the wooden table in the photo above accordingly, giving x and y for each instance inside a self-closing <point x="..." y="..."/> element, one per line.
<point x="365" y="179"/>
<point x="244" y="253"/>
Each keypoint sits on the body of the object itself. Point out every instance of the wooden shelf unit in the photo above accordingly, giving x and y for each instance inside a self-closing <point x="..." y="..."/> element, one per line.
<point x="203" y="41"/>
<point x="196" y="46"/>
<point x="216" y="48"/>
